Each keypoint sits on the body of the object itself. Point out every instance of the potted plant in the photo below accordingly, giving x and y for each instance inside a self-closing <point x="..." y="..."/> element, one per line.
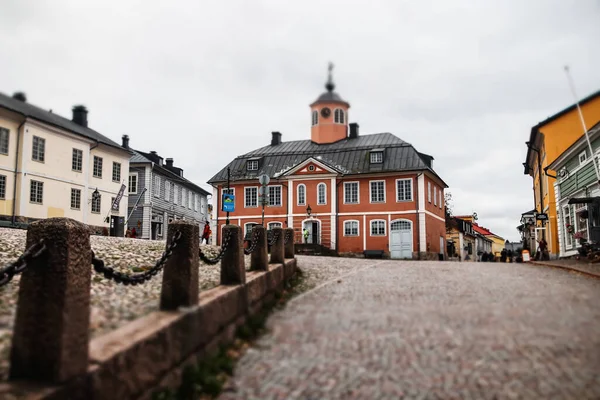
<point x="579" y="236"/>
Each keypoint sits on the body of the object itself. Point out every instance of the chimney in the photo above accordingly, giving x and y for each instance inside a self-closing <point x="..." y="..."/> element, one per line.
<point x="353" y="131"/>
<point x="169" y="162"/>
<point x="125" y="141"/>
<point x="275" y="138"/>
<point x="20" y="96"/>
<point x="80" y="115"/>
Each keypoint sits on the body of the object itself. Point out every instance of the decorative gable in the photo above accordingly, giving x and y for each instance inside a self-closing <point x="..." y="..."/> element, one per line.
<point x="311" y="168"/>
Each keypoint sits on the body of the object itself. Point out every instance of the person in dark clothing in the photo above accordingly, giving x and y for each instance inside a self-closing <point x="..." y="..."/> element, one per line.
<point x="503" y="256"/>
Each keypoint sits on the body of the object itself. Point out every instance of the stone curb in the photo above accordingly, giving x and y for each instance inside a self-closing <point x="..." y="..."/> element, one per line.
<point x="570" y="269"/>
<point x="331" y="281"/>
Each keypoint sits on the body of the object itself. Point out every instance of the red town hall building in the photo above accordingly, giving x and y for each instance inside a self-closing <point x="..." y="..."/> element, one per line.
<point x="351" y="192"/>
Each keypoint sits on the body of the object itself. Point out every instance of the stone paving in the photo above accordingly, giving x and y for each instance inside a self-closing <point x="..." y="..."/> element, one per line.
<point x="431" y="330"/>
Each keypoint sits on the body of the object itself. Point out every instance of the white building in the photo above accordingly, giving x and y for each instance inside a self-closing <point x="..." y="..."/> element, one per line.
<point x="50" y="166"/>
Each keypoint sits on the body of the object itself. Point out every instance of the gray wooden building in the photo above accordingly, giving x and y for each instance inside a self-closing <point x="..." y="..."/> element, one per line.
<point x="159" y="194"/>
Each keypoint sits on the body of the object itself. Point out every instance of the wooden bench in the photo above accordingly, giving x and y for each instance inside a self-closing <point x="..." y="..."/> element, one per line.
<point x="373" y="253"/>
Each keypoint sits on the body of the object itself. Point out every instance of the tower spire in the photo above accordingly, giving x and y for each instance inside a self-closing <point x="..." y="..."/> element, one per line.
<point x="330" y="85"/>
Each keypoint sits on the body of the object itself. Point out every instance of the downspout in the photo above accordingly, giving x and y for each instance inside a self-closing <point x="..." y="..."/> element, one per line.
<point x="417" y="214"/>
<point x="337" y="215"/>
<point x="547" y="174"/>
<point x="14" y="207"/>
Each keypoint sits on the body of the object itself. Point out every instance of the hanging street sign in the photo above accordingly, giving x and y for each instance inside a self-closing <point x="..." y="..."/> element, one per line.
<point x="115" y="204"/>
<point x="542" y="217"/>
<point x="228" y="202"/>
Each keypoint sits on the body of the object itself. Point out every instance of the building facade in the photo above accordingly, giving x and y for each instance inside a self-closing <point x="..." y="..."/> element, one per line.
<point x="547" y="141"/>
<point x="51" y="166"/>
<point x="577" y="194"/>
<point x="159" y="194"/>
<point x="351" y="192"/>
<point x="462" y="240"/>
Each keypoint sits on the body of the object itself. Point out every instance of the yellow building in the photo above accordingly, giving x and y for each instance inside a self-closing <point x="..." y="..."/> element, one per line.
<point x="498" y="242"/>
<point x="51" y="166"/>
<point x="548" y="140"/>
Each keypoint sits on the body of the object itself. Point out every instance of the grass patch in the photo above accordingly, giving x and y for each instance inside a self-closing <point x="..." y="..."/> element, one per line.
<point x="207" y="379"/>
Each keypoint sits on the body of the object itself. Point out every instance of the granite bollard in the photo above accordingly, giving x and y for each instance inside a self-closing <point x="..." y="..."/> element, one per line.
<point x="51" y="333"/>
<point x="277" y="248"/>
<point x="289" y="245"/>
<point x="233" y="268"/>
<point x="180" y="284"/>
<point x="259" y="258"/>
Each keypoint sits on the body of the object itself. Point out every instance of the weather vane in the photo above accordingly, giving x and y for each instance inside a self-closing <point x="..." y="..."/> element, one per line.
<point x="330" y="86"/>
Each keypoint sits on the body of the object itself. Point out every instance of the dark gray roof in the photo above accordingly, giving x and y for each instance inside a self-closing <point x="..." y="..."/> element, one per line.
<point x="140" y="157"/>
<point x="347" y="156"/>
<point x="47" y="117"/>
<point x="330" y="97"/>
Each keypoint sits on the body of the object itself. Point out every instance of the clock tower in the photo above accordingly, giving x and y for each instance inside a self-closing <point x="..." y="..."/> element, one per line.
<point x="329" y="115"/>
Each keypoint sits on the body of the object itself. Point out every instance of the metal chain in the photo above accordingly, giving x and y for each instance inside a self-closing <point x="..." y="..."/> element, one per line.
<point x="253" y="243"/>
<point x="287" y="237"/>
<point x="213" y="261"/>
<point x="126" y="279"/>
<point x="274" y="238"/>
<point x="20" y="265"/>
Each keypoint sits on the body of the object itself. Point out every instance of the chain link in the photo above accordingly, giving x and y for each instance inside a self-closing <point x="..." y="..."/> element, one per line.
<point x="253" y="243"/>
<point x="213" y="261"/>
<point x="274" y="238"/>
<point x="20" y="265"/>
<point x="126" y="279"/>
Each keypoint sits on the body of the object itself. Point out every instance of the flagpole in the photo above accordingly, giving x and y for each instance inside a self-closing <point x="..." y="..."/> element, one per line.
<point x="585" y="131"/>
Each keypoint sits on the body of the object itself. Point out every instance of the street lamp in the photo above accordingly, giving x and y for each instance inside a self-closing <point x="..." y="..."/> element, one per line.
<point x="308" y="210"/>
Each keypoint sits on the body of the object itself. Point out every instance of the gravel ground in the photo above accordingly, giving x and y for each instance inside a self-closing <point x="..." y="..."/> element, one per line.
<point x="112" y="304"/>
<point x="582" y="265"/>
<point x="430" y="330"/>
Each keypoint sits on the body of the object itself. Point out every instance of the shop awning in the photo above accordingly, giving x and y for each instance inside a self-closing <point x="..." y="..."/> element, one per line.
<point x="584" y="200"/>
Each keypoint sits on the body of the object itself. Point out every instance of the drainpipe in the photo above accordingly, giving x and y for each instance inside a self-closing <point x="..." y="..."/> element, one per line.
<point x="337" y="215"/>
<point x="417" y="214"/>
<point x="547" y="174"/>
<point x="14" y="207"/>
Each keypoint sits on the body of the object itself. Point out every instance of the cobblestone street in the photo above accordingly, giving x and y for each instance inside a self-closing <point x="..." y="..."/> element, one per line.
<point x="431" y="330"/>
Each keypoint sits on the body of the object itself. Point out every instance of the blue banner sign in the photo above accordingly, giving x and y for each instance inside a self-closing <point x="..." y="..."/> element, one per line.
<point x="228" y="202"/>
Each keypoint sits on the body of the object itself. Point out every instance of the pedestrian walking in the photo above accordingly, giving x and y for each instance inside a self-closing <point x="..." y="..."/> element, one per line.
<point x="305" y="233"/>
<point x="206" y="233"/>
<point x="503" y="256"/>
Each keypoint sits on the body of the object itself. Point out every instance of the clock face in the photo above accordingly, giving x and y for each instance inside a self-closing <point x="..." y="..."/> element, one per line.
<point x="325" y="112"/>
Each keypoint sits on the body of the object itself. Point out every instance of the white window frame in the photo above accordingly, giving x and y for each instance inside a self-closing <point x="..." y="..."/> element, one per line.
<point x="357" y="192"/>
<point x="231" y="191"/>
<point x="175" y="194"/>
<point x="411" y="190"/>
<point x="4" y="137"/>
<point x="183" y="197"/>
<point x="568" y="237"/>
<point x="99" y="202"/>
<point x="271" y="198"/>
<point x="255" y="203"/>
<point x="39" y="188"/>
<point x="252" y="165"/>
<point x="118" y="178"/>
<point x="77" y="160"/>
<point x="315" y="118"/>
<point x="357" y="228"/>
<point x="76" y="195"/>
<point x="435" y="196"/>
<point x="195" y="202"/>
<point x="429" y="192"/>
<point x="190" y="199"/>
<point x="376" y="157"/>
<point x="378" y="222"/>
<point x="320" y="185"/>
<point x="582" y="157"/>
<point x="98" y="164"/>
<point x="371" y="192"/>
<point x="246" y="227"/>
<point x="303" y="187"/>
<point x="156" y="186"/>
<point x="131" y="175"/>
<point x="339" y="116"/>
<point x="2" y="187"/>
<point x="270" y="225"/>
<point x="441" y="192"/>
<point x="167" y="190"/>
<point x="39" y="155"/>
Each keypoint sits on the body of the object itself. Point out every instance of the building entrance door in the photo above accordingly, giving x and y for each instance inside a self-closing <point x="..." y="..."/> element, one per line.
<point x="401" y="239"/>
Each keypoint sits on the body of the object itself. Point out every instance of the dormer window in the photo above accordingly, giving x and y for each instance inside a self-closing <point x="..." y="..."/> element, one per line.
<point x="338" y="116"/>
<point x="377" y="157"/>
<point x="315" y="118"/>
<point x="252" y="165"/>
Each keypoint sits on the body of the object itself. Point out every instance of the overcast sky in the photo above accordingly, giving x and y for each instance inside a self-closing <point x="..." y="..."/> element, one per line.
<point x="203" y="82"/>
